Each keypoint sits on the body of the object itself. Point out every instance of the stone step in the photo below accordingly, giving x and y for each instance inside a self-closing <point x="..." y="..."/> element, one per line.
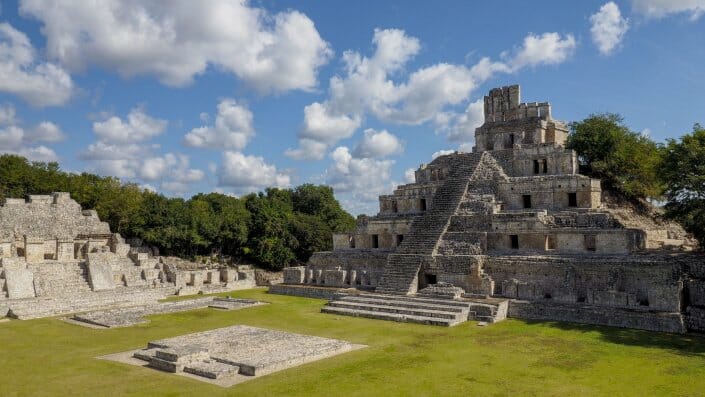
<point x="407" y="298"/>
<point x="404" y="304"/>
<point x="211" y="369"/>
<point x="436" y="313"/>
<point x="390" y="316"/>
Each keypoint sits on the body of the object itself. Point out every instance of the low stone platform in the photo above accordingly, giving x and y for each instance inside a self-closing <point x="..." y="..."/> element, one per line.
<point x="414" y="309"/>
<point x="306" y="291"/>
<point x="227" y="356"/>
<point x="31" y="308"/>
<point x="128" y="316"/>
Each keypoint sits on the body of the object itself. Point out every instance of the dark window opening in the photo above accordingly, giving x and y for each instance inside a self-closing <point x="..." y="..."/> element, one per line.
<point x="422" y="204"/>
<point x="547" y="296"/>
<point x="514" y="241"/>
<point x="351" y="240"/>
<point x="590" y="243"/>
<point x="431" y="279"/>
<point x="490" y="145"/>
<point x="581" y="299"/>
<point x="20" y="252"/>
<point x="375" y="241"/>
<point x="49" y="256"/>
<point x="400" y="238"/>
<point x="643" y="302"/>
<point x="394" y="206"/>
<point x="536" y="166"/>
<point x="527" y="200"/>
<point x="544" y="166"/>
<point x="509" y="143"/>
<point x="572" y="199"/>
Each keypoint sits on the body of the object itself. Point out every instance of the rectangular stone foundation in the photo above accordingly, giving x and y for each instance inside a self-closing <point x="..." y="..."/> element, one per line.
<point x="226" y="356"/>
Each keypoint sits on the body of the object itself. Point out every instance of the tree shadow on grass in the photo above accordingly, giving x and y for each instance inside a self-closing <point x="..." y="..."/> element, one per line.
<point x="687" y="345"/>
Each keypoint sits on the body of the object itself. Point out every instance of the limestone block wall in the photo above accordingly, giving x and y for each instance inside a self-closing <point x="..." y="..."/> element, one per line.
<point x="584" y="242"/>
<point x="544" y="160"/>
<point x="463" y="271"/>
<point x="646" y="283"/>
<point x="359" y="268"/>
<point x="407" y="199"/>
<point x="386" y="232"/>
<point x="48" y="217"/>
<point x="550" y="192"/>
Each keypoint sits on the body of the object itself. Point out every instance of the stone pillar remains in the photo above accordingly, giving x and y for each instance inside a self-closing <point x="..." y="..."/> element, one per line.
<point x="33" y="249"/>
<point x="64" y="250"/>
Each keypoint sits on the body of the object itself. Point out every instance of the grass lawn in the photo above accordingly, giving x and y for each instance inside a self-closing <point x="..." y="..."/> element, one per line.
<point x="511" y="358"/>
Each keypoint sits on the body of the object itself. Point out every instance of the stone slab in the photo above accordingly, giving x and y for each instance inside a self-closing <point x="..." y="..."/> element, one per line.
<point x="211" y="369"/>
<point x="19" y="283"/>
<point x="100" y="276"/>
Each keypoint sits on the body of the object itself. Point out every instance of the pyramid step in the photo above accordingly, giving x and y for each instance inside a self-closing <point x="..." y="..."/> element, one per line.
<point x="390" y="316"/>
<point x="398" y="310"/>
<point x="402" y="303"/>
<point x="407" y="298"/>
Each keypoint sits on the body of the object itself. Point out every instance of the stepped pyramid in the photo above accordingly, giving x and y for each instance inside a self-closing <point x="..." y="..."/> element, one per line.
<point x="513" y="219"/>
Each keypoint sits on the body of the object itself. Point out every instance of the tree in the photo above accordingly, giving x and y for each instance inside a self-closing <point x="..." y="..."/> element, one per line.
<point x="683" y="173"/>
<point x="626" y="161"/>
<point x="273" y="229"/>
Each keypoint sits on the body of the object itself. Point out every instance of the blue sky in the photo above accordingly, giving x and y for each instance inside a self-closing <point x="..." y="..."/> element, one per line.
<point x="185" y="97"/>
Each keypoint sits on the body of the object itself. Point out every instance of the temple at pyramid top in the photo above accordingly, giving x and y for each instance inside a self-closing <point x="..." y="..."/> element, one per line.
<point x="509" y="123"/>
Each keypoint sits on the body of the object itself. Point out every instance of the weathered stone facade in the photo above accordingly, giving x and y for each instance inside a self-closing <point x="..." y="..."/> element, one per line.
<point x="57" y="258"/>
<point x="513" y="219"/>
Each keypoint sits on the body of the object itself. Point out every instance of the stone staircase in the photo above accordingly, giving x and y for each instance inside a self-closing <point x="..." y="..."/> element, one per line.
<point x="60" y="278"/>
<point x="400" y="273"/>
<point x="411" y="309"/>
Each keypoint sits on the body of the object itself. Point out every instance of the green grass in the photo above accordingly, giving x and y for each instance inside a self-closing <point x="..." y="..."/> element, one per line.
<point x="511" y="358"/>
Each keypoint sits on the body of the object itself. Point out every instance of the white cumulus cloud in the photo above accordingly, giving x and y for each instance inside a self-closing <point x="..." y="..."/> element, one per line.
<point x="123" y="150"/>
<point x="137" y="128"/>
<point x="663" y="8"/>
<point x="232" y="130"/>
<point x="20" y="140"/>
<point x="378" y="144"/>
<point x="372" y="85"/>
<point x="38" y="83"/>
<point x="177" y="40"/>
<point x="546" y="49"/>
<point x="608" y="27"/>
<point x="246" y="173"/>
<point x="364" y="178"/>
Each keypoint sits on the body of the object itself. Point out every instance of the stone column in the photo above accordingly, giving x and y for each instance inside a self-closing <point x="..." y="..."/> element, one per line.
<point x="64" y="250"/>
<point x="6" y="249"/>
<point x="33" y="249"/>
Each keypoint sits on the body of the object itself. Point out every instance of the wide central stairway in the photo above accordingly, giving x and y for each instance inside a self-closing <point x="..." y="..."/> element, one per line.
<point x="420" y="310"/>
<point x="402" y="267"/>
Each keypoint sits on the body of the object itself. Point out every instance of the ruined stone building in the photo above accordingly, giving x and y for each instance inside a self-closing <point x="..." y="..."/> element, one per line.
<point x="512" y="225"/>
<point x="57" y="258"/>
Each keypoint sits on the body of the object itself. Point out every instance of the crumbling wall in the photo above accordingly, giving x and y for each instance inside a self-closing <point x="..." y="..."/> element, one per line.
<point x="48" y="217"/>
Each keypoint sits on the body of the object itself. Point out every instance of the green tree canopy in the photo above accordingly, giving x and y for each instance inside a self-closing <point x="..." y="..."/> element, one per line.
<point x="683" y="172"/>
<point x="272" y="229"/>
<point x="626" y="161"/>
